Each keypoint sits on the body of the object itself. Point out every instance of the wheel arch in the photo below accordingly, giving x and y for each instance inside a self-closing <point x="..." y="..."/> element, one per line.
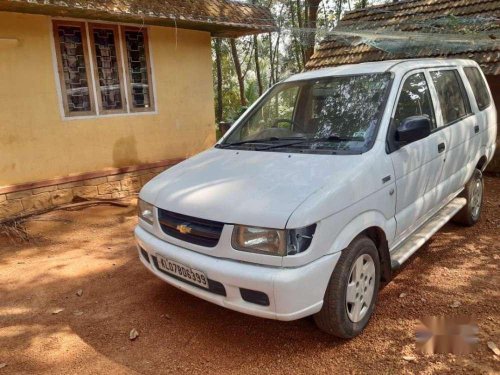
<point x="379" y="238"/>
<point x="482" y="163"/>
<point x="375" y="226"/>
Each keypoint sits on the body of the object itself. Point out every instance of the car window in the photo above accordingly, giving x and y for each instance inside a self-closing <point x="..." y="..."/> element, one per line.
<point x="454" y="104"/>
<point x="337" y="114"/>
<point x="277" y="112"/>
<point x="479" y="88"/>
<point x="346" y="107"/>
<point x="414" y="100"/>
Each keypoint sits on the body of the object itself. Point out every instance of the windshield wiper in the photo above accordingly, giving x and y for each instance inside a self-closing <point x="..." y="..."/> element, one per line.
<point x="332" y="138"/>
<point x="281" y="145"/>
<point x="264" y="140"/>
<point x="336" y="138"/>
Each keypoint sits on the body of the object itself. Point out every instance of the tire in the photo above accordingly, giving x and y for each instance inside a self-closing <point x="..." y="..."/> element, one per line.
<point x="338" y="316"/>
<point x="473" y="192"/>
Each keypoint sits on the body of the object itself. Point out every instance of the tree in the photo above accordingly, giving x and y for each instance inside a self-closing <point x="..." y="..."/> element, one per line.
<point x="244" y="67"/>
<point x="239" y="75"/>
<point x="257" y="62"/>
<point x="312" y="18"/>
<point x="218" y="64"/>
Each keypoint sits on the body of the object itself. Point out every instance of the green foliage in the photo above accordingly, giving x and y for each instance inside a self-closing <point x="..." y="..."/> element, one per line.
<point x="281" y="54"/>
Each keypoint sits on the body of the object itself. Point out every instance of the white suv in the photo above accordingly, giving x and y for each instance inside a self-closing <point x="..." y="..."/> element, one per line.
<point x="329" y="182"/>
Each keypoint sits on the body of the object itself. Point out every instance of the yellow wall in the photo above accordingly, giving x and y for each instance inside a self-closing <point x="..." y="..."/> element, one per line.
<point x="37" y="143"/>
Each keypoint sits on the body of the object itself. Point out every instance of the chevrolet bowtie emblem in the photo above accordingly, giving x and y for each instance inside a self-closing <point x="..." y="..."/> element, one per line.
<point x="184" y="229"/>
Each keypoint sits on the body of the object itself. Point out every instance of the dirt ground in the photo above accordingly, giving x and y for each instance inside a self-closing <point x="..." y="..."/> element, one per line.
<point x="45" y="327"/>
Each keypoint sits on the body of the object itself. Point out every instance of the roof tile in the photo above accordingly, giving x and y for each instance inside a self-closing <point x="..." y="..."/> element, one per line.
<point x="221" y="17"/>
<point x="412" y="16"/>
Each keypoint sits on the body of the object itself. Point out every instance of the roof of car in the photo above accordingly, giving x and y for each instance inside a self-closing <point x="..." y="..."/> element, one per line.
<point x="378" y="67"/>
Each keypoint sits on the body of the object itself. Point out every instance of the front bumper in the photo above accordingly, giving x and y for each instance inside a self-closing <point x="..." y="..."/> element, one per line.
<point x="293" y="292"/>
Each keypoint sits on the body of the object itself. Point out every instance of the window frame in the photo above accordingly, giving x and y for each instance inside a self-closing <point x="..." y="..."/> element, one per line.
<point x="472" y="92"/>
<point x="60" y="69"/>
<point x="124" y="29"/>
<point x="432" y="104"/>
<point x="255" y="106"/>
<point x="391" y="144"/>
<point x="465" y="95"/>
<point x="91" y="69"/>
<point x="115" y="28"/>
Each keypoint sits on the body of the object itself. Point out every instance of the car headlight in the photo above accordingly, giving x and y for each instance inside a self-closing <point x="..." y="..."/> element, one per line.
<point x="278" y="242"/>
<point x="145" y="211"/>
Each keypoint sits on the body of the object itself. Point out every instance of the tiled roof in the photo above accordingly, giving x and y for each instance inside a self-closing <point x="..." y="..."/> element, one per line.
<point x="220" y="17"/>
<point x="420" y="16"/>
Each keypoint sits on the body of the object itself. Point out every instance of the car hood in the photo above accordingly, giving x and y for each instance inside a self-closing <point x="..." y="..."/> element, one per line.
<point x="245" y="187"/>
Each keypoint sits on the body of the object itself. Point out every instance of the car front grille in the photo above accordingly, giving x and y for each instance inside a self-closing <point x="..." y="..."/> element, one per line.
<point x="190" y="229"/>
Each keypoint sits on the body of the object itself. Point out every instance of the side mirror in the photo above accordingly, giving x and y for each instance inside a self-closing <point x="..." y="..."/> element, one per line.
<point x="413" y="128"/>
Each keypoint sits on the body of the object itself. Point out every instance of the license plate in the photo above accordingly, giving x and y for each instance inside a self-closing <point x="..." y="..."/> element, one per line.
<point x="182" y="271"/>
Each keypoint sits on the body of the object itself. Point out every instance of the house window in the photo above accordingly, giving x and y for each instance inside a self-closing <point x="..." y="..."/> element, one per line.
<point x="103" y="68"/>
<point x="140" y="96"/>
<point x="73" y="67"/>
<point x="104" y="41"/>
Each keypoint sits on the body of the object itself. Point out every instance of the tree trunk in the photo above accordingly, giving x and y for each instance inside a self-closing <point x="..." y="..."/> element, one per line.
<point x="312" y="17"/>
<point x="239" y="75"/>
<point x="338" y="11"/>
<point x="296" y="44"/>
<point x="260" y="86"/>
<point x="218" y="63"/>
<point x="257" y="65"/>
<point x="271" y="61"/>
<point x="301" y="25"/>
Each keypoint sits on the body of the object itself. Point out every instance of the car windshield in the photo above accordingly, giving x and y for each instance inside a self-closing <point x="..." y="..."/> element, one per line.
<point x="327" y="115"/>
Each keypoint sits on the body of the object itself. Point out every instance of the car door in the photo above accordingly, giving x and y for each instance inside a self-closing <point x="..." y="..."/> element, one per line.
<point x="459" y="125"/>
<point x="418" y="165"/>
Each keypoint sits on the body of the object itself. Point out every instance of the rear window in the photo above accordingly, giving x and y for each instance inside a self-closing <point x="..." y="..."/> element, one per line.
<point x="478" y="87"/>
<point x="454" y="104"/>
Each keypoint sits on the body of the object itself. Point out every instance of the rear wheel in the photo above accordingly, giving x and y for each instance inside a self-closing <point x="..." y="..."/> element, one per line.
<point x="352" y="291"/>
<point x="473" y="192"/>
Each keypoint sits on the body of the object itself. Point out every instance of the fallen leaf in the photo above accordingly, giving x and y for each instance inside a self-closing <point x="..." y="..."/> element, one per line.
<point x="493" y="347"/>
<point x="402" y="295"/>
<point x="2" y="365"/>
<point x="133" y="334"/>
<point x="455" y="304"/>
<point x="77" y="313"/>
<point x="57" y="311"/>
<point x="409" y="358"/>
<point x="79" y="292"/>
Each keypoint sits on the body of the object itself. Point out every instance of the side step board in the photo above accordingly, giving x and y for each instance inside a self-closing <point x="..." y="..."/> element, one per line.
<point x="422" y="234"/>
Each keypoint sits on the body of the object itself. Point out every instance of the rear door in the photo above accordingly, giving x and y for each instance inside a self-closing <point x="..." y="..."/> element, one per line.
<point x="418" y="165"/>
<point x="459" y="127"/>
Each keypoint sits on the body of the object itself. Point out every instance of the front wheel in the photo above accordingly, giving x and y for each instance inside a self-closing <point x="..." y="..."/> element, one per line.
<point x="352" y="291"/>
<point x="473" y="192"/>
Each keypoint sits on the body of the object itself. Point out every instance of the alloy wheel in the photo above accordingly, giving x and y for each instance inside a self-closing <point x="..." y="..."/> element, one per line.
<point x="360" y="288"/>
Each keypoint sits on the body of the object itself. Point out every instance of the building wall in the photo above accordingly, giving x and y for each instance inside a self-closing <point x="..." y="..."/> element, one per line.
<point x="36" y="143"/>
<point x="494" y="83"/>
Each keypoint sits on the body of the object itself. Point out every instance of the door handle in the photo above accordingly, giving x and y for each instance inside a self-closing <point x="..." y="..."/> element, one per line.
<point x="441" y="147"/>
<point x="476" y="129"/>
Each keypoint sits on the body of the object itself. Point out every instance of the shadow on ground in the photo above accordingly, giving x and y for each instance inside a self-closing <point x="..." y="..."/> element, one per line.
<point x="93" y="250"/>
